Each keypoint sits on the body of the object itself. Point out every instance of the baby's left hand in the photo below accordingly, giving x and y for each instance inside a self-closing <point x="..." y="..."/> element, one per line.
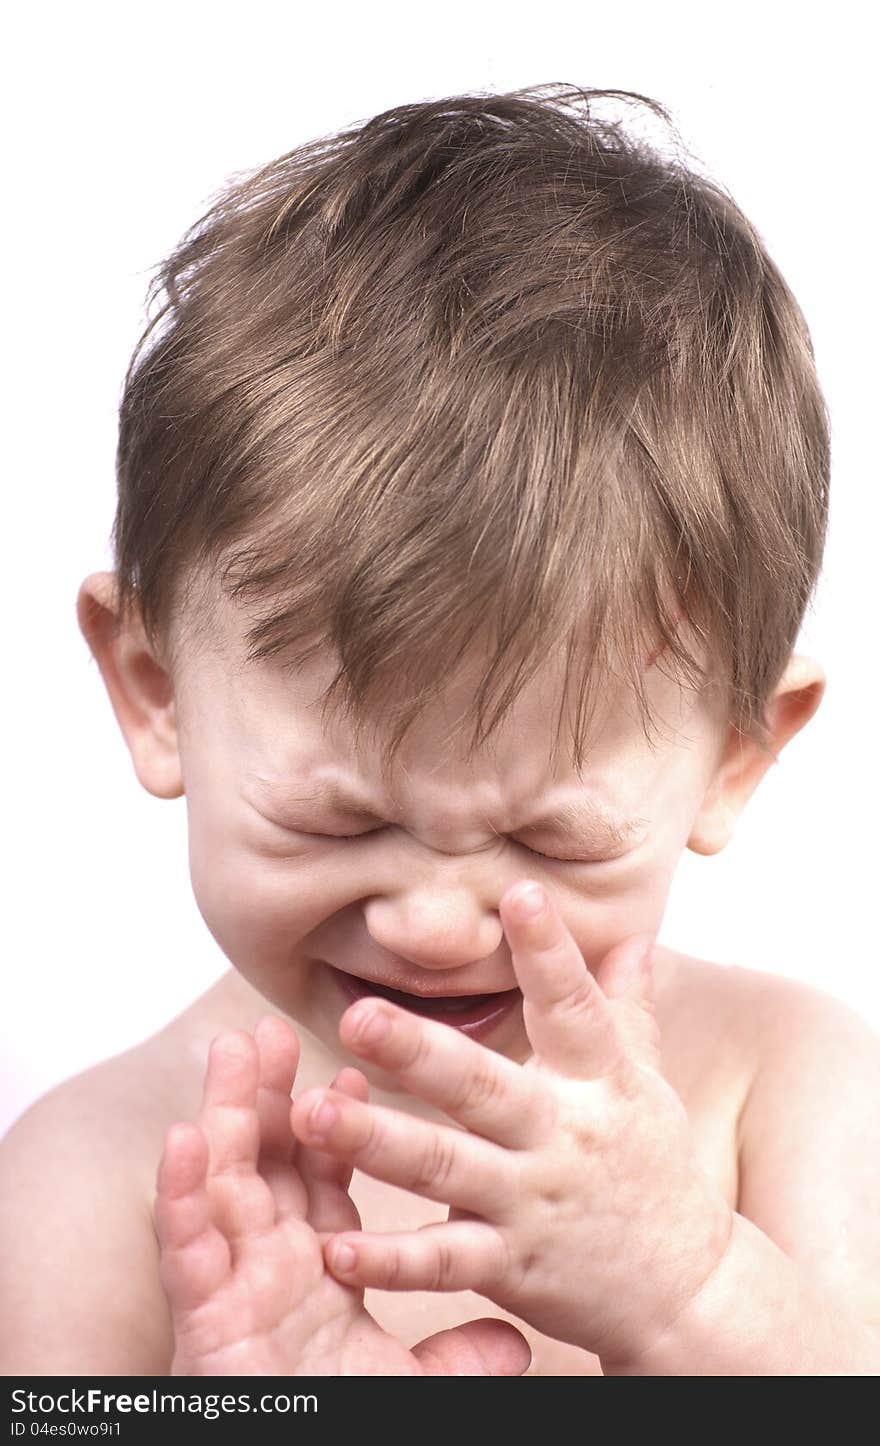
<point x="577" y="1202"/>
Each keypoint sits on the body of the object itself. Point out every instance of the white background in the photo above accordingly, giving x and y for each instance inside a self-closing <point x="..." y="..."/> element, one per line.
<point x="126" y="121"/>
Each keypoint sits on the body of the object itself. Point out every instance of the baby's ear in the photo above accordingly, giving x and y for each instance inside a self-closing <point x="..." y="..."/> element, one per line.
<point x="743" y="765"/>
<point x="138" y="686"/>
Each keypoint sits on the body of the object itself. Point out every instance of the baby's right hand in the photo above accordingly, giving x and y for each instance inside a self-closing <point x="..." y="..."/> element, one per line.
<point x="242" y="1210"/>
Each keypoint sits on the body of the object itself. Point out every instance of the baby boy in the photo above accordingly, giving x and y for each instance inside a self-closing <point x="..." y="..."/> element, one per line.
<point x="473" y="484"/>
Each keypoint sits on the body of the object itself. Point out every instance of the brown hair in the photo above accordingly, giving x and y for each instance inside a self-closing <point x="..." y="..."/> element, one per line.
<point x="484" y="366"/>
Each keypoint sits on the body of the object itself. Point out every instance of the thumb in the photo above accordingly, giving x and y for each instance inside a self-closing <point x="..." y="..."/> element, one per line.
<point x="626" y="973"/>
<point x="487" y="1347"/>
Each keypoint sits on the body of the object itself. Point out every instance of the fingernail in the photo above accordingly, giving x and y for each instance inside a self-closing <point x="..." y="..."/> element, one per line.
<point x="529" y="901"/>
<point x="344" y="1259"/>
<point x="370" y="1026"/>
<point x="322" y="1116"/>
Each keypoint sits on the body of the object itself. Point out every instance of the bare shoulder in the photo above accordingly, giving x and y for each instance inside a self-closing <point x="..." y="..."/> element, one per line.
<point x="799" y="1037"/>
<point x="809" y="1134"/>
<point x="814" y="1055"/>
<point x="752" y="1020"/>
<point x="123" y="1105"/>
<point x="78" y="1252"/>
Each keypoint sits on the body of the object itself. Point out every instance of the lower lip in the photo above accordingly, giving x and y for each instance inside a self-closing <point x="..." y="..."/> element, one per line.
<point x="477" y="1020"/>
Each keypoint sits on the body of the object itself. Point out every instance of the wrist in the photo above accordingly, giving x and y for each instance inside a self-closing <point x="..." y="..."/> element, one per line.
<point x="702" y="1281"/>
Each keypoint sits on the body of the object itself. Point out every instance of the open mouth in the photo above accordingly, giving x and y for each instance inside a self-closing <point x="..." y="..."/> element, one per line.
<point x="473" y="1014"/>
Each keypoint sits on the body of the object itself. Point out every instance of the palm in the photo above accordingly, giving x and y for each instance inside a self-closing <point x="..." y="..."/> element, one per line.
<point x="242" y="1210"/>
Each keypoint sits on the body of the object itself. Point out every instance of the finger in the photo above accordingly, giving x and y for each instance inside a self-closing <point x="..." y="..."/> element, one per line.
<point x="488" y="1094"/>
<point x="487" y="1347"/>
<point x="463" y="1255"/>
<point x="241" y="1199"/>
<point x="278" y="1057"/>
<point x="625" y="973"/>
<point x="569" y="1022"/>
<point x="195" y="1258"/>
<point x="439" y="1162"/>
<point x="626" y="976"/>
<point x="327" y="1177"/>
<point x="229" y="1102"/>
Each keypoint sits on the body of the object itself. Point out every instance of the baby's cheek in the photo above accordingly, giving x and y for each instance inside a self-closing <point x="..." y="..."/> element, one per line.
<point x="248" y="902"/>
<point x="630" y="898"/>
<point x="259" y="906"/>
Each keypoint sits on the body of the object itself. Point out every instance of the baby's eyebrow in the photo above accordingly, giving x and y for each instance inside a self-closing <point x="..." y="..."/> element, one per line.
<point x="583" y="818"/>
<point x="588" y="818"/>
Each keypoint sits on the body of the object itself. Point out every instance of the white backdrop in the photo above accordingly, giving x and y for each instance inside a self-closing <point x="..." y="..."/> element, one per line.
<point x="126" y="120"/>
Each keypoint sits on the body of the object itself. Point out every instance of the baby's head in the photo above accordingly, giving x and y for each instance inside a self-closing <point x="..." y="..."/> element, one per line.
<point x="473" y="485"/>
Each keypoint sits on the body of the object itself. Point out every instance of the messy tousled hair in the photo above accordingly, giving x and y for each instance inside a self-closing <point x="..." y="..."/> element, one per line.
<point x="484" y="369"/>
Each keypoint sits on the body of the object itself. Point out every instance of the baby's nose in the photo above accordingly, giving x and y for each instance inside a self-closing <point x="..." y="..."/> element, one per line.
<point x="434" y="929"/>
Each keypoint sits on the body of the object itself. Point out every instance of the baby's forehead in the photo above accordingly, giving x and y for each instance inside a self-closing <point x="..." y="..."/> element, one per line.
<point x="294" y="756"/>
<point x="208" y="621"/>
<point x="282" y="693"/>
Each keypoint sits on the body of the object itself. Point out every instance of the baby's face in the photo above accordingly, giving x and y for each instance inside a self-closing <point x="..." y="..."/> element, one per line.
<point x="400" y="885"/>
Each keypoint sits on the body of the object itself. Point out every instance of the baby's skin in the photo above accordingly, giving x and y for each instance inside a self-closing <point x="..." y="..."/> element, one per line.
<point x="576" y="1201"/>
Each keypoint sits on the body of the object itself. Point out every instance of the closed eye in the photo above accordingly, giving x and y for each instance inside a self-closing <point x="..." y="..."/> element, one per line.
<point x="537" y="853"/>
